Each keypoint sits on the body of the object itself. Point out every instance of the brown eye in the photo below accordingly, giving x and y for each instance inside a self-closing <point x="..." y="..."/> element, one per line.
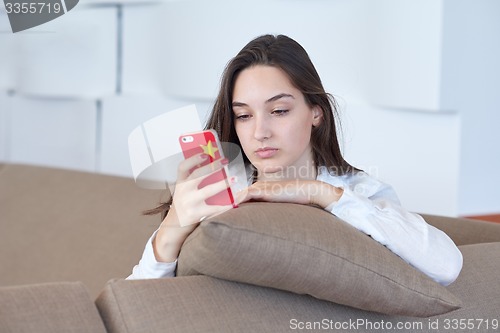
<point x="242" y="117"/>
<point x="280" y="112"/>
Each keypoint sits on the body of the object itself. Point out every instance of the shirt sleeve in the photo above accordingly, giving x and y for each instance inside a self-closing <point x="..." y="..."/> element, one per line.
<point x="373" y="208"/>
<point x="149" y="268"/>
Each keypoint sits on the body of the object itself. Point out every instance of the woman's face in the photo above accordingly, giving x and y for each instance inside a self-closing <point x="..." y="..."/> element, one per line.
<point x="273" y="123"/>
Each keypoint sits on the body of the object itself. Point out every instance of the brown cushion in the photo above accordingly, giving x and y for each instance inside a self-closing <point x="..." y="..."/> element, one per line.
<point x="51" y="307"/>
<point x="307" y="250"/>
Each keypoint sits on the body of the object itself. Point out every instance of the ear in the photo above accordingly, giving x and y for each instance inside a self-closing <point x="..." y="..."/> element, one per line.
<point x="317" y="114"/>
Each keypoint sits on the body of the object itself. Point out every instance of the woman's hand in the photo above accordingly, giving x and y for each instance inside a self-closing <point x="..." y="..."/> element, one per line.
<point x="307" y="192"/>
<point x="189" y="207"/>
<point x="189" y="197"/>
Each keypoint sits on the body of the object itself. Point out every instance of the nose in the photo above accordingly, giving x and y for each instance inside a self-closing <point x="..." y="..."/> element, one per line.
<point x="262" y="129"/>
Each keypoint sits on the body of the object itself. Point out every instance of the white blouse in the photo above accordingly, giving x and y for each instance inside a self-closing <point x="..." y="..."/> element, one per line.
<point x="373" y="208"/>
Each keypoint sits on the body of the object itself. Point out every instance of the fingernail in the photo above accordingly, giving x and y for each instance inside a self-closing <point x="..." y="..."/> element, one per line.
<point x="203" y="156"/>
<point x="224" y="161"/>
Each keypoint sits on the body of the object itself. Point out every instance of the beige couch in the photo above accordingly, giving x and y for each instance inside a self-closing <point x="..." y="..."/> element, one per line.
<point x="67" y="240"/>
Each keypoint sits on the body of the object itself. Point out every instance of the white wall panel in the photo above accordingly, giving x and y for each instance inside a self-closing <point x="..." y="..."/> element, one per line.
<point x="143" y="46"/>
<point x="382" y="52"/>
<point x="417" y="153"/>
<point x="7" y="55"/>
<point x="123" y="114"/>
<point x="52" y="132"/>
<point x="200" y="44"/>
<point x="471" y="83"/>
<point x="4" y="128"/>
<point x="403" y="56"/>
<point x="122" y="2"/>
<point x="72" y="56"/>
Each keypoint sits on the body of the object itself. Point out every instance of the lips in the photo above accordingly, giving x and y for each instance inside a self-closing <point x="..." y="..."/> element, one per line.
<point x="266" y="152"/>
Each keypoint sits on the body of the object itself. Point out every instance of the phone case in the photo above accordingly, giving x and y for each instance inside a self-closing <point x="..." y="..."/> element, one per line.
<point x="208" y="142"/>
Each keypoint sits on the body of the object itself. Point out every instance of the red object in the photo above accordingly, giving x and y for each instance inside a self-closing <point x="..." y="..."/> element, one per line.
<point x="489" y="218"/>
<point x="207" y="142"/>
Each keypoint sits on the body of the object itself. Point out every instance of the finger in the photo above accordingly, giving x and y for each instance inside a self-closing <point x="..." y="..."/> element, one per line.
<point x="242" y="196"/>
<point x="209" y="168"/>
<point x="208" y="212"/>
<point x="198" y="180"/>
<point x="202" y="210"/>
<point x="188" y="193"/>
<point x="214" y="188"/>
<point x="256" y="191"/>
<point x="186" y="166"/>
<point x="266" y="192"/>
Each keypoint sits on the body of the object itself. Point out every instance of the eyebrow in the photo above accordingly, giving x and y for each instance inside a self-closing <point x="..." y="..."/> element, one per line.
<point x="272" y="99"/>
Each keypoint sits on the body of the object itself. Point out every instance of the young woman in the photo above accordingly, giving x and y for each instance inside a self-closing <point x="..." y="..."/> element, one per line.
<point x="273" y="105"/>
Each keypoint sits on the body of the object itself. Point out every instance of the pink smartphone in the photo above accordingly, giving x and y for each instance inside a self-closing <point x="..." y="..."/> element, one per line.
<point x="208" y="142"/>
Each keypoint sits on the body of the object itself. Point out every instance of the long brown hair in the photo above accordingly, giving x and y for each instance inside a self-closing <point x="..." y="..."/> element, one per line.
<point x="286" y="54"/>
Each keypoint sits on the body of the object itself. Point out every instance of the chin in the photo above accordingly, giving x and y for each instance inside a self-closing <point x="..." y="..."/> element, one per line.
<point x="270" y="169"/>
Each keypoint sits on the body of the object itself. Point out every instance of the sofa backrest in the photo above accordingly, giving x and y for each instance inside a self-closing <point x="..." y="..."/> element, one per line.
<point x="61" y="225"/>
<point x="466" y="231"/>
<point x="207" y="304"/>
<point x="48" y="308"/>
